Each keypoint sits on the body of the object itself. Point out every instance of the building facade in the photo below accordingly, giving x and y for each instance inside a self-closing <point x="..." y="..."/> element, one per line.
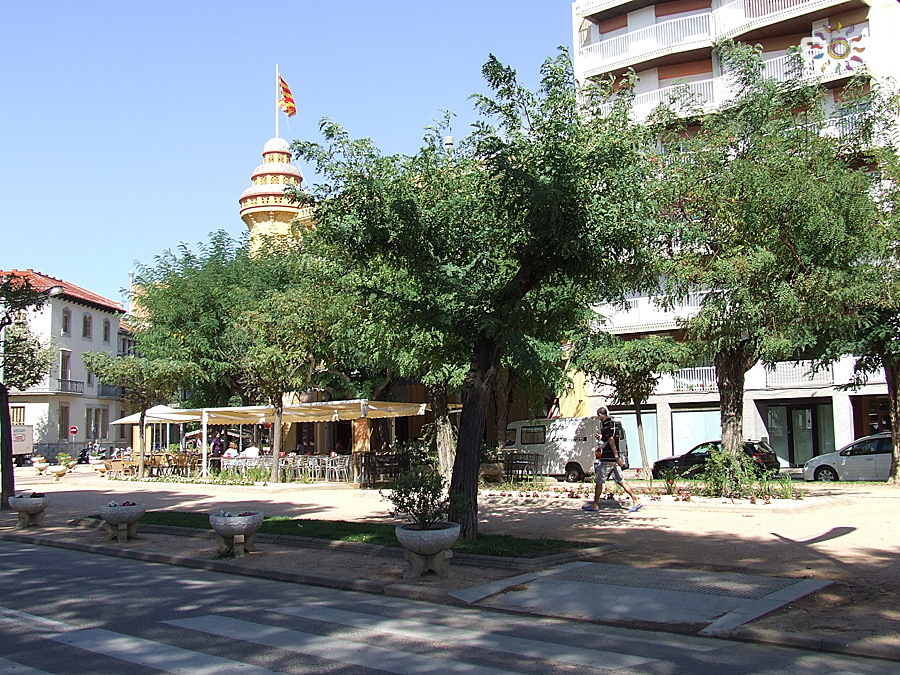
<point x="72" y="321"/>
<point x="801" y="412"/>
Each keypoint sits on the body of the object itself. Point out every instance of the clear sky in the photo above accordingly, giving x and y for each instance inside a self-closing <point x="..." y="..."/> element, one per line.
<point x="128" y="127"/>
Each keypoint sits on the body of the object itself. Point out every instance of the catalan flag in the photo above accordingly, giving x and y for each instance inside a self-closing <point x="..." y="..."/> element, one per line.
<point x="286" y="102"/>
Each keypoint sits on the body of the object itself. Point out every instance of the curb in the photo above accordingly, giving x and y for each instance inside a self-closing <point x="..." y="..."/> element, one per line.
<point x="834" y="645"/>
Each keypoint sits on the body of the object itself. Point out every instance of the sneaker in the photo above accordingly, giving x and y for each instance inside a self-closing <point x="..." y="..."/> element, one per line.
<point x="635" y="508"/>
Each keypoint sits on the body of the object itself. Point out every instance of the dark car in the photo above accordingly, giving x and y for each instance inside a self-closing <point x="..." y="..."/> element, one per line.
<point x="693" y="460"/>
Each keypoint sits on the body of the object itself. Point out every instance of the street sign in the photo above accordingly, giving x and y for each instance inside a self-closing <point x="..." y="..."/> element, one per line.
<point x="73" y="430"/>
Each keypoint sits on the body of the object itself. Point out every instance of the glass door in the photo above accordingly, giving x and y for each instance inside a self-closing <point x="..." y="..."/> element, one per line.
<point x="802" y="435"/>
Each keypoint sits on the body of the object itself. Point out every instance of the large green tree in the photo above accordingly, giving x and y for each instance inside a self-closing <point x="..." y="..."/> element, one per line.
<point x="769" y="209"/>
<point x="24" y="362"/>
<point x="630" y="368"/>
<point x="145" y="381"/>
<point x="538" y="212"/>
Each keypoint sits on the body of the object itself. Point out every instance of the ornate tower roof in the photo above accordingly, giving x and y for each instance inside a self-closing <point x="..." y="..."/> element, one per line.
<point x="264" y="207"/>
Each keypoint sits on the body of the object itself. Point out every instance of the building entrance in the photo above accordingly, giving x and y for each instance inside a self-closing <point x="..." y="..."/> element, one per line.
<point x="800" y="431"/>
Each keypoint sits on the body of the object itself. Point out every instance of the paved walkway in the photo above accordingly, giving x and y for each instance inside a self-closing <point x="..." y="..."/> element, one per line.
<point x="711" y="603"/>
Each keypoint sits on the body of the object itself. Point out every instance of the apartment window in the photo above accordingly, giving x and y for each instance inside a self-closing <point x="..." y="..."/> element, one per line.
<point x="122" y="427"/>
<point x="17" y="414"/>
<point x="106" y="330"/>
<point x="96" y="423"/>
<point x="66" y="321"/>
<point x="90" y="379"/>
<point x="63" y="422"/>
<point x="87" y="326"/>
<point x="65" y="364"/>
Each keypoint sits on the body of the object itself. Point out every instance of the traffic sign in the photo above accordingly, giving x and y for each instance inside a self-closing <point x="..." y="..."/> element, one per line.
<point x="73" y="430"/>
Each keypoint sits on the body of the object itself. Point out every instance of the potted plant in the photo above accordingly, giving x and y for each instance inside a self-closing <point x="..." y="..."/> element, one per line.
<point x="420" y="496"/>
<point x="30" y="508"/>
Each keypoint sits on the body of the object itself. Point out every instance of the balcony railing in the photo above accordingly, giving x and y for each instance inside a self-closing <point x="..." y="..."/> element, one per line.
<point x="696" y="379"/>
<point x="69" y="386"/>
<point x="685" y="33"/>
<point x="743" y="15"/>
<point x="798" y="374"/>
<point x="109" y="391"/>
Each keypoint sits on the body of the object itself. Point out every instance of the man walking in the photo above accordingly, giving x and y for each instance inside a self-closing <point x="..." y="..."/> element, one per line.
<point x="608" y="463"/>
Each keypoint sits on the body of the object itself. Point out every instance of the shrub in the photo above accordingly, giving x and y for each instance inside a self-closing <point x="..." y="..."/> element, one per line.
<point x="725" y="475"/>
<point x="419" y="495"/>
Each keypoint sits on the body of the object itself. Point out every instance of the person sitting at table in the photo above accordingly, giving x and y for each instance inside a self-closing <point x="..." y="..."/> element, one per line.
<point x="232" y="450"/>
<point x="252" y="451"/>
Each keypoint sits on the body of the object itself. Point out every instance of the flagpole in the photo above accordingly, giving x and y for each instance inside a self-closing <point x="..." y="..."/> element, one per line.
<point x="276" y="100"/>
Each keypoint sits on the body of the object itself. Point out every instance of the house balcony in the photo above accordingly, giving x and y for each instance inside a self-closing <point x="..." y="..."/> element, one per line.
<point x="746" y="16"/>
<point x="798" y="374"/>
<point x="663" y="39"/>
<point x="598" y="10"/>
<point x="696" y="379"/>
<point x="109" y="391"/>
<point x="69" y="386"/>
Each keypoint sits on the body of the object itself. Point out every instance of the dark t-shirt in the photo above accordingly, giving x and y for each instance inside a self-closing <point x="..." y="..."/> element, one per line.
<point x="607" y="432"/>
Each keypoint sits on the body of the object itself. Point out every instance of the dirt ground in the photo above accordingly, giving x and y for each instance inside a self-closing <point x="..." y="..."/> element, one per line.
<point x="846" y="533"/>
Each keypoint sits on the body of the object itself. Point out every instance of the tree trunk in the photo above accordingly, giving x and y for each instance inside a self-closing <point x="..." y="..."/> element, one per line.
<point x="503" y="390"/>
<point x="731" y="366"/>
<point x="443" y="430"/>
<point x="479" y="384"/>
<point x="645" y="463"/>
<point x="6" y="449"/>
<point x="278" y="405"/>
<point x="892" y="377"/>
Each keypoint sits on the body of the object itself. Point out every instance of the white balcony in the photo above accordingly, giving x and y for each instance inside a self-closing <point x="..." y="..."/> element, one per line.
<point x="676" y="35"/>
<point x="696" y="379"/>
<point x="742" y="16"/>
<point x="798" y="374"/>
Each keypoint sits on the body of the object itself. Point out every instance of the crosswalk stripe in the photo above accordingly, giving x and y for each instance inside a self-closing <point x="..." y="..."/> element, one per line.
<point x="468" y="638"/>
<point x="13" y="668"/>
<point x="35" y="623"/>
<point x="155" y="654"/>
<point x="330" y="648"/>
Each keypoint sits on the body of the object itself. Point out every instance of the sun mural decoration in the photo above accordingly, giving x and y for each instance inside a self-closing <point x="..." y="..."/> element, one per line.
<point x="835" y="50"/>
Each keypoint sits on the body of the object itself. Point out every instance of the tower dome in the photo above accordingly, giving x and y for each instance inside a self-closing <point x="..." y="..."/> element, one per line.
<point x="265" y="208"/>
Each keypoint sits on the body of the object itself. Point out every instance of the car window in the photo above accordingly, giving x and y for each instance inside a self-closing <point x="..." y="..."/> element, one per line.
<point x="703" y="449"/>
<point x="885" y="447"/>
<point x="866" y="447"/>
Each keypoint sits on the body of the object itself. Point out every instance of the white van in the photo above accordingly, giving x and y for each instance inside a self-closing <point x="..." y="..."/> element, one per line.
<point x="566" y="444"/>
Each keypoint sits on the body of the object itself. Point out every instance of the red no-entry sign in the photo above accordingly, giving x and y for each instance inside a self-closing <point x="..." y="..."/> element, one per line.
<point x="73" y="430"/>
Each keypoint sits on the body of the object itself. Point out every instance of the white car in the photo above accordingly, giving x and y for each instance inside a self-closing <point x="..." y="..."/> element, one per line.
<point x="867" y="458"/>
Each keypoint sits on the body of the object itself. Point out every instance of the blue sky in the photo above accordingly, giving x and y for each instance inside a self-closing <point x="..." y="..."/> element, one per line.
<point x="129" y="127"/>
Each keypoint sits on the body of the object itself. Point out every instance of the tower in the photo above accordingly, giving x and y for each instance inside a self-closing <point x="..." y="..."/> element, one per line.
<point x="266" y="210"/>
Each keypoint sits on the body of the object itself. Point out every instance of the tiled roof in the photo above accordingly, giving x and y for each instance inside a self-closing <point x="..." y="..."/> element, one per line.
<point x="42" y="282"/>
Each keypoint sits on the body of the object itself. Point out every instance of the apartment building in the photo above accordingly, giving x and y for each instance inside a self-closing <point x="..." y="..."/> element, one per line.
<point x="802" y="413"/>
<point x="72" y="321"/>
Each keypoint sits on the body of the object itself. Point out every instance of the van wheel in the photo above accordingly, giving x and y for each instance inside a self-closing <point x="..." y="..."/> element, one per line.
<point x="574" y="474"/>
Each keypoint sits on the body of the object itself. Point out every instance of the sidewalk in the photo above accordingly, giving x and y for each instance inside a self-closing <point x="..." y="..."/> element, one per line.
<point x="609" y="583"/>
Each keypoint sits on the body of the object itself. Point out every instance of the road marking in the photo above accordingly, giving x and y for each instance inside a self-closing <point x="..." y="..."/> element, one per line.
<point x="33" y="622"/>
<point x="331" y="648"/>
<point x="13" y="668"/>
<point x="536" y="649"/>
<point x="155" y="654"/>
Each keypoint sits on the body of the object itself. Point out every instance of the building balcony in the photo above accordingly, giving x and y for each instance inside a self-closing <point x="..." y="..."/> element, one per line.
<point x="69" y="386"/>
<point x="668" y="37"/>
<point x="696" y="379"/>
<point x="743" y="16"/>
<point x="109" y="391"/>
<point x="798" y="374"/>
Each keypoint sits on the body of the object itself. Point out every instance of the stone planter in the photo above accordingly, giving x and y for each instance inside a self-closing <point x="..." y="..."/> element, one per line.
<point x="427" y="549"/>
<point x="57" y="470"/>
<point x="30" y="510"/>
<point x="121" y="522"/>
<point x="236" y="534"/>
<point x="72" y="464"/>
<point x="40" y="467"/>
<point x="492" y="471"/>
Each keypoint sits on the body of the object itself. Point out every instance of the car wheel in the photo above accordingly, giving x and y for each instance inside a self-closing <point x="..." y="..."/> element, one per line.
<point x="659" y="474"/>
<point x="574" y="474"/>
<point x="826" y="473"/>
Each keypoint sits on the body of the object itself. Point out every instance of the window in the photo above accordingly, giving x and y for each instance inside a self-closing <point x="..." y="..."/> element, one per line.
<point x="106" y="328"/>
<point x="122" y="427"/>
<point x="64" y="422"/>
<point x="65" y="362"/>
<point x="90" y="379"/>
<point x="534" y="435"/>
<point x="511" y="436"/>
<point x="87" y="326"/>
<point x="96" y="423"/>
<point x="17" y="414"/>
<point x="66" y="321"/>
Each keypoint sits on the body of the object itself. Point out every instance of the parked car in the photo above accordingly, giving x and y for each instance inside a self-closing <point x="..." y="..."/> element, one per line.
<point x="866" y="458"/>
<point x="693" y="460"/>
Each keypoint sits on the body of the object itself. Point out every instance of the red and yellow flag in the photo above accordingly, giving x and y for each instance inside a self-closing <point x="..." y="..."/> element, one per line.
<point x="286" y="102"/>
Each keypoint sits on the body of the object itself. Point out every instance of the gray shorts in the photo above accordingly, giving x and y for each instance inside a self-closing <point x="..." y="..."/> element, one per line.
<point x="603" y="471"/>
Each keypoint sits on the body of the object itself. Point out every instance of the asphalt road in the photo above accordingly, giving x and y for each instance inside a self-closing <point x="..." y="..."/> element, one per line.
<point x="69" y="612"/>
